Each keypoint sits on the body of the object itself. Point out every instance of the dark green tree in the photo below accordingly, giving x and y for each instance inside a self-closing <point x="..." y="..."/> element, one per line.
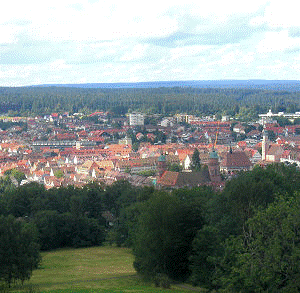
<point x="283" y="121"/>
<point x="174" y="167"/>
<point x="19" y="176"/>
<point x="67" y="230"/>
<point x="243" y="195"/>
<point x="19" y="249"/>
<point x="268" y="252"/>
<point x="204" y="260"/>
<point x="196" y="163"/>
<point x="163" y="236"/>
<point x="272" y="135"/>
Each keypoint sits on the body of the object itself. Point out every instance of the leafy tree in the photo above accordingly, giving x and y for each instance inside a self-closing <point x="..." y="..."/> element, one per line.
<point x="123" y="233"/>
<point x="247" y="192"/>
<point x="249" y="128"/>
<point x="196" y="163"/>
<point x="19" y="176"/>
<point x="59" y="174"/>
<point x="6" y="185"/>
<point x="119" y="195"/>
<point x="296" y="121"/>
<point x="272" y="136"/>
<point x="135" y="146"/>
<point x="25" y="200"/>
<point x="174" y="167"/>
<point x="77" y="206"/>
<point x="86" y="232"/>
<point x="163" y="236"/>
<point x="207" y="249"/>
<point x="283" y="121"/>
<point x="66" y="230"/>
<point x="268" y="258"/>
<point x="147" y="173"/>
<point x="19" y="250"/>
<point x="159" y="137"/>
<point x="260" y="128"/>
<point x="93" y="201"/>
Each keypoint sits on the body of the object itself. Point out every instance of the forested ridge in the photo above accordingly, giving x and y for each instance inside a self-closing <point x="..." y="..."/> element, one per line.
<point x="45" y="100"/>
<point x="245" y="238"/>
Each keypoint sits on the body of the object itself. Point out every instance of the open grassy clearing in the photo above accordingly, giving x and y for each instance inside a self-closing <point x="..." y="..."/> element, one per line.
<point x="96" y="269"/>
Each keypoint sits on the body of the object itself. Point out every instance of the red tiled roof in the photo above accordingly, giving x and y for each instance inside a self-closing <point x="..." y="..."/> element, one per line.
<point x="181" y="179"/>
<point x="242" y="143"/>
<point x="168" y="178"/>
<point x="236" y="159"/>
<point x="275" y="150"/>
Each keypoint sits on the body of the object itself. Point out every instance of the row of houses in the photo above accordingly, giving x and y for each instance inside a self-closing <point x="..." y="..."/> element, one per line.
<point x="79" y="164"/>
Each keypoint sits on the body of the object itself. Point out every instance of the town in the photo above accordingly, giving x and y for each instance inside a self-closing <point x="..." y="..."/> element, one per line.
<point x="147" y="150"/>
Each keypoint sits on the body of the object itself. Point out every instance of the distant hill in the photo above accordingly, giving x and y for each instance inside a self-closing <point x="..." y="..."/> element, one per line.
<point x="167" y="97"/>
<point x="287" y="85"/>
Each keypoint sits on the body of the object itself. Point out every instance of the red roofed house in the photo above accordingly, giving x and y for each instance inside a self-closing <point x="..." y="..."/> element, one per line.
<point x="274" y="153"/>
<point x="271" y="153"/>
<point x="235" y="162"/>
<point x="253" y="155"/>
<point x="181" y="179"/>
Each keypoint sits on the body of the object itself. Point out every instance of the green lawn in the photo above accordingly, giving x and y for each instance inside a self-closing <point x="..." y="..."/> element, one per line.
<point x="96" y="269"/>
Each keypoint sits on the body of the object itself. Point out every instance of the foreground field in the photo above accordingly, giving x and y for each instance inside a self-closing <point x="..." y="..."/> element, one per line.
<point x="97" y="269"/>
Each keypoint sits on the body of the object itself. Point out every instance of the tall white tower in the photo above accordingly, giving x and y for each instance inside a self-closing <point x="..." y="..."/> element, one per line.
<point x="265" y="145"/>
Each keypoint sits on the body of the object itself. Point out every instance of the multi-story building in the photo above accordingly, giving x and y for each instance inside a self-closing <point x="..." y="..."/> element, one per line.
<point x="136" y="119"/>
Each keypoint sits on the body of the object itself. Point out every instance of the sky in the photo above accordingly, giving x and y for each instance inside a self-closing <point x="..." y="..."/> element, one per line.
<point x="90" y="41"/>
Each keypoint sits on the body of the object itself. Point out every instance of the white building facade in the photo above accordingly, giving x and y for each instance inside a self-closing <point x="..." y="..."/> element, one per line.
<point x="136" y="119"/>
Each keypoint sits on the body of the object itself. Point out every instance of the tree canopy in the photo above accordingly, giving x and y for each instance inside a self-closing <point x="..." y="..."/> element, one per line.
<point x="196" y="163"/>
<point x="19" y="249"/>
<point x="245" y="103"/>
<point x="162" y="241"/>
<point x="268" y="258"/>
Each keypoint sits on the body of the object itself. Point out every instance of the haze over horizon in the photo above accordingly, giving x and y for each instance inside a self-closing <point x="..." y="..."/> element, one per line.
<point x="88" y="41"/>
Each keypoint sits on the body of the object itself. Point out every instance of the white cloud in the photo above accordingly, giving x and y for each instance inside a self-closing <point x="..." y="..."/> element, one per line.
<point x="110" y="20"/>
<point x="17" y="75"/>
<point x="228" y="58"/>
<point x="8" y="34"/>
<point x="188" y="51"/>
<point x="223" y="8"/>
<point x="104" y="41"/>
<point x="248" y="58"/>
<point x="103" y="20"/>
<point x="59" y="64"/>
<point x="282" y="14"/>
<point x="136" y="53"/>
<point x="277" y="41"/>
<point x="177" y="70"/>
<point x="276" y="65"/>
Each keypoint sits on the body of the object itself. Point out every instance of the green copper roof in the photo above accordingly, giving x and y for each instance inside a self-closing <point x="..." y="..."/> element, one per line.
<point x="162" y="158"/>
<point x="213" y="155"/>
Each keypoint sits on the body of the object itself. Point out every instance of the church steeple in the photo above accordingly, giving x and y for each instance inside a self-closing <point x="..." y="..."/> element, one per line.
<point x="265" y="145"/>
<point x="162" y="164"/>
<point x="213" y="166"/>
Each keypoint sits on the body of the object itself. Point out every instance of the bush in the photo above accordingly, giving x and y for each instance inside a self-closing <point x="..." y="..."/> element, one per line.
<point x="162" y="280"/>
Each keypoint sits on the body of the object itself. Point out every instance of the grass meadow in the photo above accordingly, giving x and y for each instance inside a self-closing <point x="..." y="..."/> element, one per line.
<point x="97" y="269"/>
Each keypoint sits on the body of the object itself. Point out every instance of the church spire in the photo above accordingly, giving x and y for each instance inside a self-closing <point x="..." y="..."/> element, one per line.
<point x="264" y="145"/>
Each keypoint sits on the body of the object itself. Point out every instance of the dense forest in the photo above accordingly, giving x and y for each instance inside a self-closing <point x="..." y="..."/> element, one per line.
<point x="245" y="238"/>
<point x="163" y="100"/>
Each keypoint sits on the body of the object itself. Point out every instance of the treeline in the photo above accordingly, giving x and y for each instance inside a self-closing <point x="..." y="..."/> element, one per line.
<point x="70" y="216"/>
<point x="46" y="100"/>
<point x="243" y="239"/>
